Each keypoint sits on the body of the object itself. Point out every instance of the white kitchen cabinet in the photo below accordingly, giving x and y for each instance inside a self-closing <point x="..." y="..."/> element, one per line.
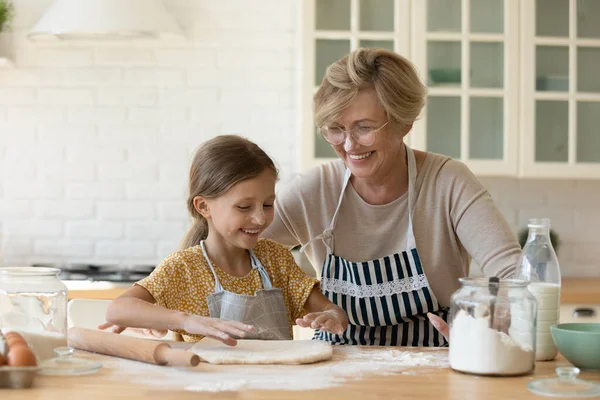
<point x="560" y="112"/>
<point x="468" y="52"/>
<point x="513" y="87"/>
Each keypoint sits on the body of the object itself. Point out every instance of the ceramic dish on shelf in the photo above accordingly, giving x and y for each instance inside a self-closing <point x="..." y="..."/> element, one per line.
<point x="445" y="76"/>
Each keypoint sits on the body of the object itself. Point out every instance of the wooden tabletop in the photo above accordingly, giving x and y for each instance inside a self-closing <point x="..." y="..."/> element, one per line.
<point x="580" y="291"/>
<point x="122" y="379"/>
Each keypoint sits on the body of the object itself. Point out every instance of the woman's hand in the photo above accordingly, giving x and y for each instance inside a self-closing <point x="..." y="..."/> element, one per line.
<point x="216" y="328"/>
<point x="333" y="319"/>
<point x="439" y="324"/>
<point x="154" y="333"/>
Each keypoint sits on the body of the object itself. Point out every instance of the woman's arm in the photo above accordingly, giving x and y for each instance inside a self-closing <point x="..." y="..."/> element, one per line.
<point x="479" y="224"/>
<point x="136" y="308"/>
<point x="487" y="237"/>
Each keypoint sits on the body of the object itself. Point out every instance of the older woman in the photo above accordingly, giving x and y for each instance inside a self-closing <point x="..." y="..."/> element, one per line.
<point x="391" y="229"/>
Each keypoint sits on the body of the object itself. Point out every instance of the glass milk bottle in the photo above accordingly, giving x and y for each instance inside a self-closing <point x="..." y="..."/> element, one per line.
<point x="538" y="265"/>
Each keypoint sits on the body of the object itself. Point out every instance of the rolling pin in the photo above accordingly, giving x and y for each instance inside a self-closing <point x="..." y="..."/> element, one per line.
<point x="144" y="350"/>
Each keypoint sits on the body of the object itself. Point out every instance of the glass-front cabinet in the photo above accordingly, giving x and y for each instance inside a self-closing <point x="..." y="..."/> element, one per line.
<point x="560" y="70"/>
<point x="466" y="51"/>
<point x="514" y="87"/>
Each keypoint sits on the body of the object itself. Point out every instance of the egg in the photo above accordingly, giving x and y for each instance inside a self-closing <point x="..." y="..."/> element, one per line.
<point x="21" y="356"/>
<point x="13" y="338"/>
<point x="12" y="343"/>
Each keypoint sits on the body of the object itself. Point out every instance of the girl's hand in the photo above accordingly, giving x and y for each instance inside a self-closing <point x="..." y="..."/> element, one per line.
<point x="155" y="333"/>
<point x="216" y="328"/>
<point x="440" y="325"/>
<point x="333" y="319"/>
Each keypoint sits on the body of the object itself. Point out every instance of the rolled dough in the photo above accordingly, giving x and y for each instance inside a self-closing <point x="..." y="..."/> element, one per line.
<point x="263" y="351"/>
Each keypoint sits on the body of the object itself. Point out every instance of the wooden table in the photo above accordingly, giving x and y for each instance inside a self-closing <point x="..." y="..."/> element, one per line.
<point x="580" y="291"/>
<point x="112" y="381"/>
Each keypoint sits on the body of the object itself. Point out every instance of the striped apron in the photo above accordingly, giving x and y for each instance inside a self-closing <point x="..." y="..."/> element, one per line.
<point x="386" y="299"/>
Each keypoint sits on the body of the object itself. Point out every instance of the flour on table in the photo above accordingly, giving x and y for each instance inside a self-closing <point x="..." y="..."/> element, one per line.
<point x="347" y="363"/>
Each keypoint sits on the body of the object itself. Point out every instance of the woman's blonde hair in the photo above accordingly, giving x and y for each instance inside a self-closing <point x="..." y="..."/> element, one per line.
<point x="218" y="164"/>
<point x="399" y="89"/>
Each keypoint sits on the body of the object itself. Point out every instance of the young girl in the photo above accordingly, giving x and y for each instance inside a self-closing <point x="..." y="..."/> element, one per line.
<point x="227" y="283"/>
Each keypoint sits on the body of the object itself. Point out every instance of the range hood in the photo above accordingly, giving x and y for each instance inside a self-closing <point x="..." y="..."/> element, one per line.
<point x="105" y="20"/>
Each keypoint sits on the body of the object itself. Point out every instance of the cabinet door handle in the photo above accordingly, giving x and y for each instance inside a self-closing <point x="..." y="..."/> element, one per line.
<point x="584" y="312"/>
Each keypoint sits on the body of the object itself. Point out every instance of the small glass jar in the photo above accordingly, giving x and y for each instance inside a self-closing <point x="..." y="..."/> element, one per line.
<point x="33" y="302"/>
<point x="492" y="327"/>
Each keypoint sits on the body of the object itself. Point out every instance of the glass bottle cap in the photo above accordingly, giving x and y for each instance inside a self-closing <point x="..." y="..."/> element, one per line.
<point x="565" y="385"/>
<point x="66" y="364"/>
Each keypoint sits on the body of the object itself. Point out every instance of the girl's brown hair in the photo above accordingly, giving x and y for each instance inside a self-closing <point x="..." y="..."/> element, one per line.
<point x="218" y="164"/>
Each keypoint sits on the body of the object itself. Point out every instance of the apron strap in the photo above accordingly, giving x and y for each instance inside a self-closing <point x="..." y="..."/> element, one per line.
<point x="412" y="178"/>
<point x="218" y="287"/>
<point x="256" y="264"/>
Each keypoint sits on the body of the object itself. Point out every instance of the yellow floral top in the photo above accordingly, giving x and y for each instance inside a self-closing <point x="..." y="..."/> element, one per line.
<point x="184" y="280"/>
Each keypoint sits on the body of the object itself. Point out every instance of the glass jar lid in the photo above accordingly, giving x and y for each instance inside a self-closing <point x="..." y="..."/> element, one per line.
<point x="565" y="384"/>
<point x="28" y="272"/>
<point x="66" y="364"/>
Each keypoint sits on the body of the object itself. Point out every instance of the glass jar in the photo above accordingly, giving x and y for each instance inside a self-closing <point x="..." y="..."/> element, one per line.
<point x="492" y="327"/>
<point x="33" y="302"/>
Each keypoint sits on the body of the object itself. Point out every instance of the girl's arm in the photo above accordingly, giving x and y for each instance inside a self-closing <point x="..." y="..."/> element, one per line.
<point x="136" y="309"/>
<point x="323" y="314"/>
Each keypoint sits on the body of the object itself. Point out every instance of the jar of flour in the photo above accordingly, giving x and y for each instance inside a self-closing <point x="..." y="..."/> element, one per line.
<point x="492" y="327"/>
<point x="33" y="302"/>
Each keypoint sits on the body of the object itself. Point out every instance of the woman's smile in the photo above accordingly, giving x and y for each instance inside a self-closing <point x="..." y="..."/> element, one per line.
<point x="359" y="156"/>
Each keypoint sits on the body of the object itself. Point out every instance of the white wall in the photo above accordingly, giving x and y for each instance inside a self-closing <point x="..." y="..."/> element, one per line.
<point x="571" y="205"/>
<point x="95" y="139"/>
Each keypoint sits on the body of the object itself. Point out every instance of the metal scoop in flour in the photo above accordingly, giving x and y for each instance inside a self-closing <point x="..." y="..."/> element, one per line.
<point x="494" y="285"/>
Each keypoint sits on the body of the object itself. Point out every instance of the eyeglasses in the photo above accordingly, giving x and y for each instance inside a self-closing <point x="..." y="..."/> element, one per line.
<point x="363" y="135"/>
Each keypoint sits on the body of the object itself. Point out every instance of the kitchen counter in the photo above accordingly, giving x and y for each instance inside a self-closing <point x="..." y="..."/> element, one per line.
<point x="96" y="290"/>
<point x="117" y="380"/>
<point x="580" y="291"/>
<point x="574" y="290"/>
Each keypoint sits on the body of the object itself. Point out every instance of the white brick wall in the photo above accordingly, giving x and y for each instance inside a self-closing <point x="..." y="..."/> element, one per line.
<point x="95" y="138"/>
<point x="572" y="208"/>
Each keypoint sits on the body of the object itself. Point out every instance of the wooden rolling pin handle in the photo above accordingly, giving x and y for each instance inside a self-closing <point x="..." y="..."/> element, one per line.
<point x="145" y="350"/>
<point x="165" y="355"/>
